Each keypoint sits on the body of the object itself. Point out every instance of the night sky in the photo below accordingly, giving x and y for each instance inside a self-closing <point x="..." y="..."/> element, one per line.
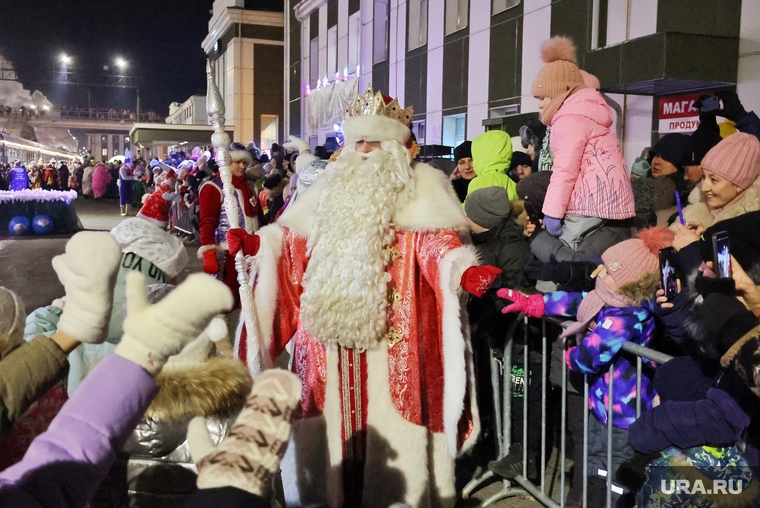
<point x="161" y="40"/>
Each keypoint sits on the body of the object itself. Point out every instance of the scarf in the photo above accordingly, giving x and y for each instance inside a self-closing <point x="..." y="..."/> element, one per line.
<point x="602" y="296"/>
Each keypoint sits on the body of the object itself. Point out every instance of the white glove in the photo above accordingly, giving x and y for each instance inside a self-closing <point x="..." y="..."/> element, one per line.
<point x="88" y="273"/>
<point x="153" y="333"/>
<point x="297" y="144"/>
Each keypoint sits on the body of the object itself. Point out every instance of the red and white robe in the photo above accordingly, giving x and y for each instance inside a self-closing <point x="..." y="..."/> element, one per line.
<point x="382" y="426"/>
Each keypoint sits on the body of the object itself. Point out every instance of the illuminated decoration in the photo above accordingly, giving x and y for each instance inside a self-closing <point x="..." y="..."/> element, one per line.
<point x="308" y="89"/>
<point x="358" y="70"/>
<point x="345" y="73"/>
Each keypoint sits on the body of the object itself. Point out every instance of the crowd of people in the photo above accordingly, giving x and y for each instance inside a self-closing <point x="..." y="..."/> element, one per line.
<point x="357" y="266"/>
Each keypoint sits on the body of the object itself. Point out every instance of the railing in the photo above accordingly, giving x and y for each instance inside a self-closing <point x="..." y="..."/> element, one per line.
<point x="501" y="372"/>
<point x="108" y="115"/>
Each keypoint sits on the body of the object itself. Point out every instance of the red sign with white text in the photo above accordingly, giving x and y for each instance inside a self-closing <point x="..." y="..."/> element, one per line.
<point x="678" y="114"/>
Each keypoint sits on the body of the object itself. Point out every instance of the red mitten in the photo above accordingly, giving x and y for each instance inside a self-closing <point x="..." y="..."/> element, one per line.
<point x="532" y="306"/>
<point x="210" y="263"/>
<point x="477" y="279"/>
<point x="237" y="238"/>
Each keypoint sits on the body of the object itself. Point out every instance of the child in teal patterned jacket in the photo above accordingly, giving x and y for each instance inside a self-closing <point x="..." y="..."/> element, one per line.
<point x="614" y="313"/>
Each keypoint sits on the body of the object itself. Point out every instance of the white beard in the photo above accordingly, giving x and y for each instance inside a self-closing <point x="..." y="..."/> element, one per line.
<point x="346" y="283"/>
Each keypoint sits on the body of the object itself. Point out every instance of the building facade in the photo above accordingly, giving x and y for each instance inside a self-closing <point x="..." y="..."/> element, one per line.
<point x="190" y="112"/>
<point x="467" y="65"/>
<point x="246" y="45"/>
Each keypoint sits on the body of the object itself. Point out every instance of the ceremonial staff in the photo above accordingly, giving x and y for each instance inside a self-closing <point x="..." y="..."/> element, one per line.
<point x="221" y="142"/>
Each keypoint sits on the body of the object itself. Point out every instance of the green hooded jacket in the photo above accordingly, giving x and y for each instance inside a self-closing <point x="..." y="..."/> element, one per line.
<point x="491" y="155"/>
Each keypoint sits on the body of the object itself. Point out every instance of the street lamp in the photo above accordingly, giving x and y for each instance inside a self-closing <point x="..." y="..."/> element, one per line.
<point x="121" y="63"/>
<point x="65" y="59"/>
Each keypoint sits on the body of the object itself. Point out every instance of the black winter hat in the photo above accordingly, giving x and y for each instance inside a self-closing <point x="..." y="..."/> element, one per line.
<point x="462" y="151"/>
<point x="671" y="148"/>
<point x="704" y="138"/>
<point x="520" y="159"/>
<point x="533" y="188"/>
<point x="487" y="207"/>
<point x="273" y="181"/>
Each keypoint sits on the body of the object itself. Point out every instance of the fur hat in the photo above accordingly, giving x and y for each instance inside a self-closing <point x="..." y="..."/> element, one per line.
<point x="736" y="158"/>
<point x="463" y="151"/>
<point x="12" y="320"/>
<point x="488" y="207"/>
<point x="630" y="260"/>
<point x="560" y="77"/>
<point x="239" y="153"/>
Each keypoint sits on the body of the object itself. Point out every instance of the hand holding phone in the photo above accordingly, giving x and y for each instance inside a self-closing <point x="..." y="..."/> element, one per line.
<point x="668" y="272"/>
<point x="722" y="254"/>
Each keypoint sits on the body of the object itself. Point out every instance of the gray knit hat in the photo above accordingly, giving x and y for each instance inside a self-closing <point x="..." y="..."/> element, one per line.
<point x="488" y="207"/>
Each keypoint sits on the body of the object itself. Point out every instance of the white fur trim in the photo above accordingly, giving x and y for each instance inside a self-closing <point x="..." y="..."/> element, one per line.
<point x="305" y="465"/>
<point x="395" y="446"/>
<point x="240" y="155"/>
<point x="160" y="223"/>
<point x="374" y="128"/>
<point x="205" y="248"/>
<point x="334" y="420"/>
<point x="266" y="288"/>
<point x="434" y="207"/>
<point x="304" y="159"/>
<point x="457" y="355"/>
<point x="442" y="472"/>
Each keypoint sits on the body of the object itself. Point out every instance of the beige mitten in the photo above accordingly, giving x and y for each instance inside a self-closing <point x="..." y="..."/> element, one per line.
<point x="250" y="455"/>
<point x="88" y="273"/>
<point x="153" y="333"/>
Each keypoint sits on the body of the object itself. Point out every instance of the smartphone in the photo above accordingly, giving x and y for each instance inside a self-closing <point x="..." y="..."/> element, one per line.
<point x="712" y="103"/>
<point x="533" y="214"/>
<point x="722" y="253"/>
<point x="668" y="272"/>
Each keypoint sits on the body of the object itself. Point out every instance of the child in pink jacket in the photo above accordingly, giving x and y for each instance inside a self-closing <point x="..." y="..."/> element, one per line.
<point x="590" y="183"/>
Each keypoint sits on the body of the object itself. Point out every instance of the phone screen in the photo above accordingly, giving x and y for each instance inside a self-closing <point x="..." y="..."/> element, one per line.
<point x="668" y="272"/>
<point x="722" y="255"/>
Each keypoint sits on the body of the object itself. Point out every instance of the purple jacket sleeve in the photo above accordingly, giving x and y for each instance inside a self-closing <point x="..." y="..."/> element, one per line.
<point x="65" y="464"/>
<point x="715" y="420"/>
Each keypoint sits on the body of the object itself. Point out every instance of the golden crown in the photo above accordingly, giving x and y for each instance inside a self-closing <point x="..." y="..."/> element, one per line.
<point x="374" y="104"/>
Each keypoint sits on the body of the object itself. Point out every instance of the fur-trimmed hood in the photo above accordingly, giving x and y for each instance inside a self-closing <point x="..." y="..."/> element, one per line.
<point x="435" y="205"/>
<point x="217" y="388"/>
<point x="697" y="211"/>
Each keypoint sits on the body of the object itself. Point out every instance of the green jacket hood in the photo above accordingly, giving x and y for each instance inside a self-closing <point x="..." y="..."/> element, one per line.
<point x="491" y="153"/>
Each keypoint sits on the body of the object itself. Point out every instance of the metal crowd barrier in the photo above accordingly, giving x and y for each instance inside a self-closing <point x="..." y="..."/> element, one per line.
<point x="182" y="218"/>
<point x="501" y="373"/>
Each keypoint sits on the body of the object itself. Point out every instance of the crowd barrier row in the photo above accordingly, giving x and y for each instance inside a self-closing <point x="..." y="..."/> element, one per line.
<point x="182" y="218"/>
<point x="501" y="375"/>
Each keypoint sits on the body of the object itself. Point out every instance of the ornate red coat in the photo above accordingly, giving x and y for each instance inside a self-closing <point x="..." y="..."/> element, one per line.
<point x="400" y="412"/>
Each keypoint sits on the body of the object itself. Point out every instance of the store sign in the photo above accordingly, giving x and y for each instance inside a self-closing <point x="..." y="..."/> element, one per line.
<point x="678" y="114"/>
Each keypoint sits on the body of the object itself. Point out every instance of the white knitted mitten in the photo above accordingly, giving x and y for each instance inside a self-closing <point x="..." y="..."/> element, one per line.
<point x="87" y="271"/>
<point x="250" y="455"/>
<point x="153" y="333"/>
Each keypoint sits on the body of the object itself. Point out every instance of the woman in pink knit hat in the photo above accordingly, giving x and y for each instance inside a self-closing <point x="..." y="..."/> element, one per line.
<point x="730" y="187"/>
